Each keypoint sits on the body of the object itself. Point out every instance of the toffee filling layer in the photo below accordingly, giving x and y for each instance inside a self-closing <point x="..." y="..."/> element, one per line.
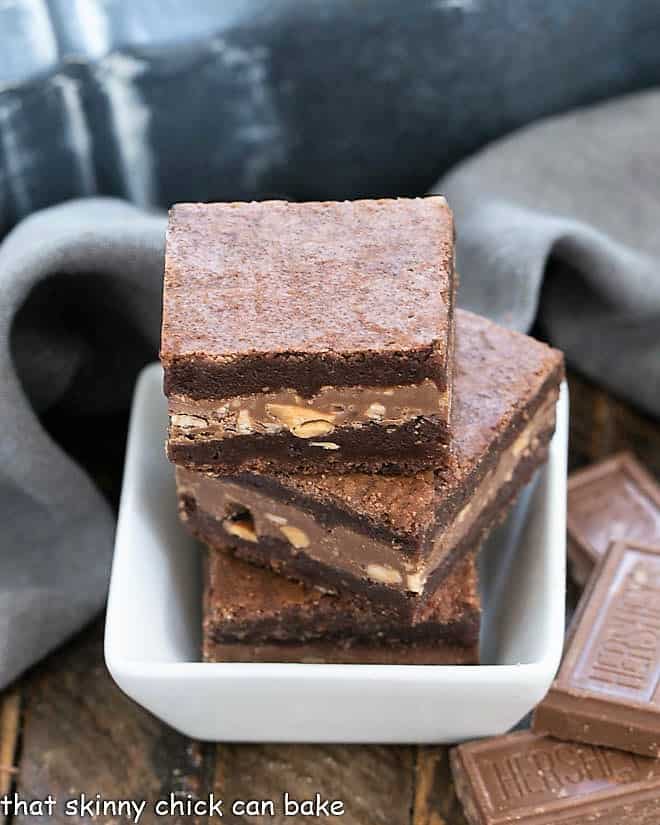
<point x="311" y="418"/>
<point x="249" y="515"/>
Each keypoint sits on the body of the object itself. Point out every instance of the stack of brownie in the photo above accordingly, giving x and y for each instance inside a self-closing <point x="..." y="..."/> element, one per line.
<point x="344" y="440"/>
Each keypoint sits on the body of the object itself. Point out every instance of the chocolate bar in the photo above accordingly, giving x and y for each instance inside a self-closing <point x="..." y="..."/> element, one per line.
<point x="394" y="539"/>
<point x="534" y="780"/>
<point x="608" y="688"/>
<point x="251" y="613"/>
<point x="309" y="336"/>
<point x="615" y="499"/>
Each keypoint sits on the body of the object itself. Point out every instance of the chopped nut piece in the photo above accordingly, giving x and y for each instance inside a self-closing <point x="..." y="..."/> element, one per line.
<point x="386" y="575"/>
<point x="463" y="513"/>
<point x="296" y="536"/>
<point x="521" y="444"/>
<point x="376" y="411"/>
<point x="303" y="422"/>
<point x="325" y="445"/>
<point x="311" y="429"/>
<point x="244" y="422"/>
<point x="241" y="528"/>
<point x="415" y="582"/>
<point x="275" y="519"/>
<point x="188" y="422"/>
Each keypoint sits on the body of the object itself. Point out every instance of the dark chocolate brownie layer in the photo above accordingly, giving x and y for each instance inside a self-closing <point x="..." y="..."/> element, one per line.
<point x="277" y="294"/>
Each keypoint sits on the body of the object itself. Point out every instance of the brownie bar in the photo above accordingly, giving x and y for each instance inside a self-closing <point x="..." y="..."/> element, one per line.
<point x="253" y="615"/>
<point x="522" y="779"/>
<point x="244" y="604"/>
<point x="608" y="688"/>
<point x="395" y="538"/>
<point x="615" y="499"/>
<point x="310" y="336"/>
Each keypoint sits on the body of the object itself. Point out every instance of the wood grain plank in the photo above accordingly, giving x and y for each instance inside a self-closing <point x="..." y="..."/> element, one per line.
<point x="374" y="782"/>
<point x="601" y="425"/>
<point x="82" y="735"/>
<point x="10" y="713"/>
<point x="435" y="800"/>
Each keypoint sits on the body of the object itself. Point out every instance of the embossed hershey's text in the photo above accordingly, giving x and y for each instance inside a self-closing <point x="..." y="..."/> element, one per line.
<point x="623" y="653"/>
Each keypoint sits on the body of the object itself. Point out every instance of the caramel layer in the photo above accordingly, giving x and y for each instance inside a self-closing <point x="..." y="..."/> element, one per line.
<point x="309" y="418"/>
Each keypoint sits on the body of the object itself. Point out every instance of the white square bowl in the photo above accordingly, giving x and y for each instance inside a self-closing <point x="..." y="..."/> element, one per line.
<point x="152" y="636"/>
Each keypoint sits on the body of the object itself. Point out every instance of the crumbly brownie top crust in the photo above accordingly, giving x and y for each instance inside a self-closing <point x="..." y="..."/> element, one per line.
<point x="309" y="277"/>
<point x="263" y="292"/>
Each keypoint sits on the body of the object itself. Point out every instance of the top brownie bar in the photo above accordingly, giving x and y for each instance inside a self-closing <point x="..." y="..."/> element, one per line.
<point x="308" y="335"/>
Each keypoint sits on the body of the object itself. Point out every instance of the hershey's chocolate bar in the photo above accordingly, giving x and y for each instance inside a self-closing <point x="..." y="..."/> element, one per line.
<point x="536" y="780"/>
<point x="615" y="499"/>
<point x="608" y="688"/>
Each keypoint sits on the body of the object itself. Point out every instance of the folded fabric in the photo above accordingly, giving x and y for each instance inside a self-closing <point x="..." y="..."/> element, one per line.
<point x="563" y="219"/>
<point x="92" y="270"/>
<point x="213" y="99"/>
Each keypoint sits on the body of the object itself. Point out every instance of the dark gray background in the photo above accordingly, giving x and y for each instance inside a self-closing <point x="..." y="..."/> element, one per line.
<point x="164" y="100"/>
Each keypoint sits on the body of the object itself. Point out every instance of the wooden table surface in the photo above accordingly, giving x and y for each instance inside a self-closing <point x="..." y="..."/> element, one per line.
<point x="66" y="729"/>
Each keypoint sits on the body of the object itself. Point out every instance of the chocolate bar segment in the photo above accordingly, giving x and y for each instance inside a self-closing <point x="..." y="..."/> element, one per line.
<point x="534" y="780"/>
<point x="309" y="336"/>
<point x="394" y="539"/>
<point x="608" y="688"/>
<point x="244" y="604"/>
<point x="613" y="500"/>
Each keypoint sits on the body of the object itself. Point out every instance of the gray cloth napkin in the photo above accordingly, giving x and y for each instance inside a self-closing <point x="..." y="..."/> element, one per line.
<point x="94" y="270"/>
<point x="562" y="219"/>
<point x="576" y="199"/>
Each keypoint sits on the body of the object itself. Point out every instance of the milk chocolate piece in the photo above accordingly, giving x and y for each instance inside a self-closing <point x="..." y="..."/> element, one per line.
<point x="394" y="539"/>
<point x="608" y="688"/>
<point x="249" y="605"/>
<point x="615" y="499"/>
<point x="524" y="779"/>
<point x="309" y="336"/>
